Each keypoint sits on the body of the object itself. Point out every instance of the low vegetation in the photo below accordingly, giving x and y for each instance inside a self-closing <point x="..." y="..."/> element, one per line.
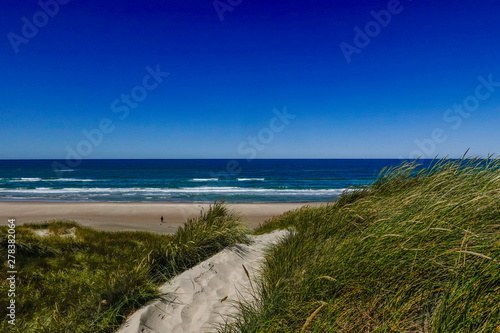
<point x="92" y="281"/>
<point x="418" y="251"/>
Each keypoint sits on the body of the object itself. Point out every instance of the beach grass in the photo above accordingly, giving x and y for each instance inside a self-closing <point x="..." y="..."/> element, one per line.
<point x="91" y="281"/>
<point x="417" y="251"/>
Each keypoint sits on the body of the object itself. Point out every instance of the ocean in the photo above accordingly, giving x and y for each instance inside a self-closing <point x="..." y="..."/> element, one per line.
<point x="307" y="180"/>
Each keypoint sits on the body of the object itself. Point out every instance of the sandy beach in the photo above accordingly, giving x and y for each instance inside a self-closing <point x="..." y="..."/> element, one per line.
<point x="205" y="296"/>
<point x="134" y="216"/>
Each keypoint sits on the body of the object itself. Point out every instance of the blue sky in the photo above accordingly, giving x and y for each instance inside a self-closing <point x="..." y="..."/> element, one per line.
<point x="395" y="97"/>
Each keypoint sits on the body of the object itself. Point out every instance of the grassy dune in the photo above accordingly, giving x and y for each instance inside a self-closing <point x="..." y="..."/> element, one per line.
<point x="418" y="251"/>
<point x="91" y="282"/>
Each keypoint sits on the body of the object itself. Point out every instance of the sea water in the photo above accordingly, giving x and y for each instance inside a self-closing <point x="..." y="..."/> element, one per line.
<point x="188" y="180"/>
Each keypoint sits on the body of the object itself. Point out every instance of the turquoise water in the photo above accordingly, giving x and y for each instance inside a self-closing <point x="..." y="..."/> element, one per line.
<point x="185" y="180"/>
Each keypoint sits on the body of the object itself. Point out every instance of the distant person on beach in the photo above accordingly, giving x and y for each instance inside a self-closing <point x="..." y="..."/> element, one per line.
<point x="161" y="219"/>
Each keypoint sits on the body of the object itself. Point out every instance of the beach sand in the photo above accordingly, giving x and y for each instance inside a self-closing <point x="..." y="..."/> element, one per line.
<point x="205" y="296"/>
<point x="134" y="216"/>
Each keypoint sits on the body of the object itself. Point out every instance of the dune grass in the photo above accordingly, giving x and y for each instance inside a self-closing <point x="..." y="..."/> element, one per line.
<point x="418" y="251"/>
<point x="91" y="282"/>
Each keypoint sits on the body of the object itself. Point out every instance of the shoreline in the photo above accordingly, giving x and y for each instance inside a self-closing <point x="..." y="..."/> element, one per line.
<point x="135" y="216"/>
<point x="163" y="202"/>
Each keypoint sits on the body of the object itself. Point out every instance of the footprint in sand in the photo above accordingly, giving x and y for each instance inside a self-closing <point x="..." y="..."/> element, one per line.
<point x="191" y="302"/>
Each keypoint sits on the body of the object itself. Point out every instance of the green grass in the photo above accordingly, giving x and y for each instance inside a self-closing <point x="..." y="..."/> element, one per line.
<point x="418" y="251"/>
<point x="92" y="282"/>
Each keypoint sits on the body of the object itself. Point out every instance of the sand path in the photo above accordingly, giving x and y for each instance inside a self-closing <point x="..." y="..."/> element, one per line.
<point x="202" y="297"/>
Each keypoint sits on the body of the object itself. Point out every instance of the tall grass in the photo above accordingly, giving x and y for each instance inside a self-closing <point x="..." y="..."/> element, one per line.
<point x="418" y="251"/>
<point x="90" y="283"/>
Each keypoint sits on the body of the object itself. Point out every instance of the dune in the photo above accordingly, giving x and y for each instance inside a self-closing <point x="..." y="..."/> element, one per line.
<point x="203" y="297"/>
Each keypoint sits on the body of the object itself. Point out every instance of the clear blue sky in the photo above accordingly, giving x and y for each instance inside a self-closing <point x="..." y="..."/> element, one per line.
<point x="226" y="77"/>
